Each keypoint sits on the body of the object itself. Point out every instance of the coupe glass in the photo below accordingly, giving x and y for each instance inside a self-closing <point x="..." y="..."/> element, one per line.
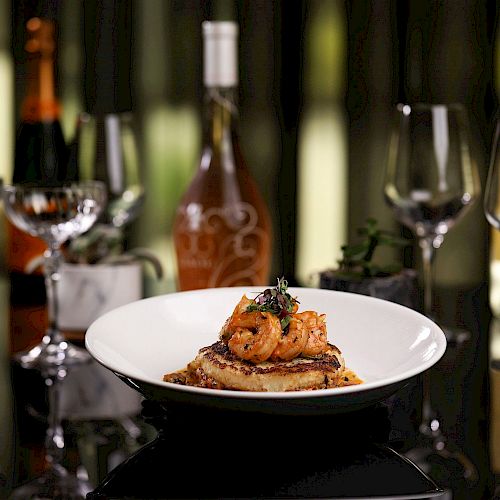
<point x="55" y="215"/>
<point x="431" y="179"/>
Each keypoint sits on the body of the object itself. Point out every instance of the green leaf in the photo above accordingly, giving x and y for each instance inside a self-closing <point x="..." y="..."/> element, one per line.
<point x="355" y="250"/>
<point x="357" y="259"/>
<point x="274" y="300"/>
<point x="285" y="321"/>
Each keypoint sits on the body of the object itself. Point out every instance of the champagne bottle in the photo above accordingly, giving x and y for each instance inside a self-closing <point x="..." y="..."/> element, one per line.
<point x="40" y="158"/>
<point x="222" y="229"/>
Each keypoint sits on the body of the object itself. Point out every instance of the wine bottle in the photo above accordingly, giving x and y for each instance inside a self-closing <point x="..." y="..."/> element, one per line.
<point x="40" y="158"/>
<point x="222" y="230"/>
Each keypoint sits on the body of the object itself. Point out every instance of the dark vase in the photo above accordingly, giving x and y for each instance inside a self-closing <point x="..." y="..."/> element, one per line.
<point x="401" y="288"/>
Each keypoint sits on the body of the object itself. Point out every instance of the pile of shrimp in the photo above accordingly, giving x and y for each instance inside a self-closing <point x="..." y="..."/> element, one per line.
<point x="257" y="336"/>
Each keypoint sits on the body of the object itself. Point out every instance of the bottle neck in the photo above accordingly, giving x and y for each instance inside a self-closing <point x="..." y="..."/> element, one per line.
<point x="221" y="116"/>
<point x="40" y="102"/>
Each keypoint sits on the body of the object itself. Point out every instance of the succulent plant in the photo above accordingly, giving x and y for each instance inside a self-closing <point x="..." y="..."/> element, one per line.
<point x="104" y="244"/>
<point x="358" y="259"/>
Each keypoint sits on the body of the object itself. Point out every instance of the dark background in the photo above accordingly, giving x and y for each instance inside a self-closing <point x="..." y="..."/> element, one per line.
<point x="146" y="56"/>
<point x="390" y="51"/>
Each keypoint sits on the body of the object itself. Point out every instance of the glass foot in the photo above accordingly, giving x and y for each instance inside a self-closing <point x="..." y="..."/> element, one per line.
<point x="55" y="484"/>
<point x="47" y="355"/>
<point x="455" y="336"/>
<point x="444" y="462"/>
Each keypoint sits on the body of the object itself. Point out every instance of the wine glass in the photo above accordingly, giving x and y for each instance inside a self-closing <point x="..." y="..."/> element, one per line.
<point x="430" y="182"/>
<point x="105" y="149"/>
<point x="54" y="214"/>
<point x="492" y="190"/>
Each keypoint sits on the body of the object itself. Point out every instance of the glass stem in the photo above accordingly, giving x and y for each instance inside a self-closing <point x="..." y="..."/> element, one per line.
<point x="428" y="251"/>
<point x="51" y="271"/>
<point x="54" y="438"/>
<point x="429" y="420"/>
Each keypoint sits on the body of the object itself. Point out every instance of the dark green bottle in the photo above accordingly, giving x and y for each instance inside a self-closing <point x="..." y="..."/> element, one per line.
<point x="41" y="157"/>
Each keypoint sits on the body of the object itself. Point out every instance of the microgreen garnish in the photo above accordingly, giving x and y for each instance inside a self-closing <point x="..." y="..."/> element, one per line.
<point x="277" y="301"/>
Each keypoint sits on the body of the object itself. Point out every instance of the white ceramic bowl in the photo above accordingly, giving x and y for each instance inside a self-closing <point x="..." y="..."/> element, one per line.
<point x="384" y="343"/>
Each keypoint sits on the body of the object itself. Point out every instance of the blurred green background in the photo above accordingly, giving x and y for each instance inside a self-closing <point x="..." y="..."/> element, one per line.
<point x="318" y="82"/>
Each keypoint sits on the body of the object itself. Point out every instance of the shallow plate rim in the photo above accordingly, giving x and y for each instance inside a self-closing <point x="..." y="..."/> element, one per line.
<point x="320" y="393"/>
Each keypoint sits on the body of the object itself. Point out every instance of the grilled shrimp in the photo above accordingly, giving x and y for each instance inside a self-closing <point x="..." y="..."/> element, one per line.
<point x="315" y="325"/>
<point x="292" y="341"/>
<point x="228" y="328"/>
<point x="256" y="335"/>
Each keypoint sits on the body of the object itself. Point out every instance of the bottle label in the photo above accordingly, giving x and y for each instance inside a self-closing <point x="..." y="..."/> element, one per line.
<point x="221" y="246"/>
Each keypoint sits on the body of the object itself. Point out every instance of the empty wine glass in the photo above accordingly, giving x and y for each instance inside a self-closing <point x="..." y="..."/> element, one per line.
<point x="430" y="181"/>
<point x="492" y="206"/>
<point x="492" y="190"/>
<point x="108" y="152"/>
<point x="54" y="214"/>
<point x="105" y="149"/>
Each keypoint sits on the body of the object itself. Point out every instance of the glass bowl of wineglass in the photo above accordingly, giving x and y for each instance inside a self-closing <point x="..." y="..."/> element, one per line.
<point x="105" y="149"/>
<point x="492" y="189"/>
<point x="431" y="180"/>
<point x="54" y="214"/>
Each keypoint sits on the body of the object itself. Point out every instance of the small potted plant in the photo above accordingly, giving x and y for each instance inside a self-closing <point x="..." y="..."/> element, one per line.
<point x="359" y="272"/>
<point x="98" y="275"/>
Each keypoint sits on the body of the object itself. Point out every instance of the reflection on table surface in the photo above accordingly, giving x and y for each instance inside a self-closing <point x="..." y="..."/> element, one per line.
<point x="495" y="395"/>
<point x="283" y="454"/>
<point x="104" y="424"/>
